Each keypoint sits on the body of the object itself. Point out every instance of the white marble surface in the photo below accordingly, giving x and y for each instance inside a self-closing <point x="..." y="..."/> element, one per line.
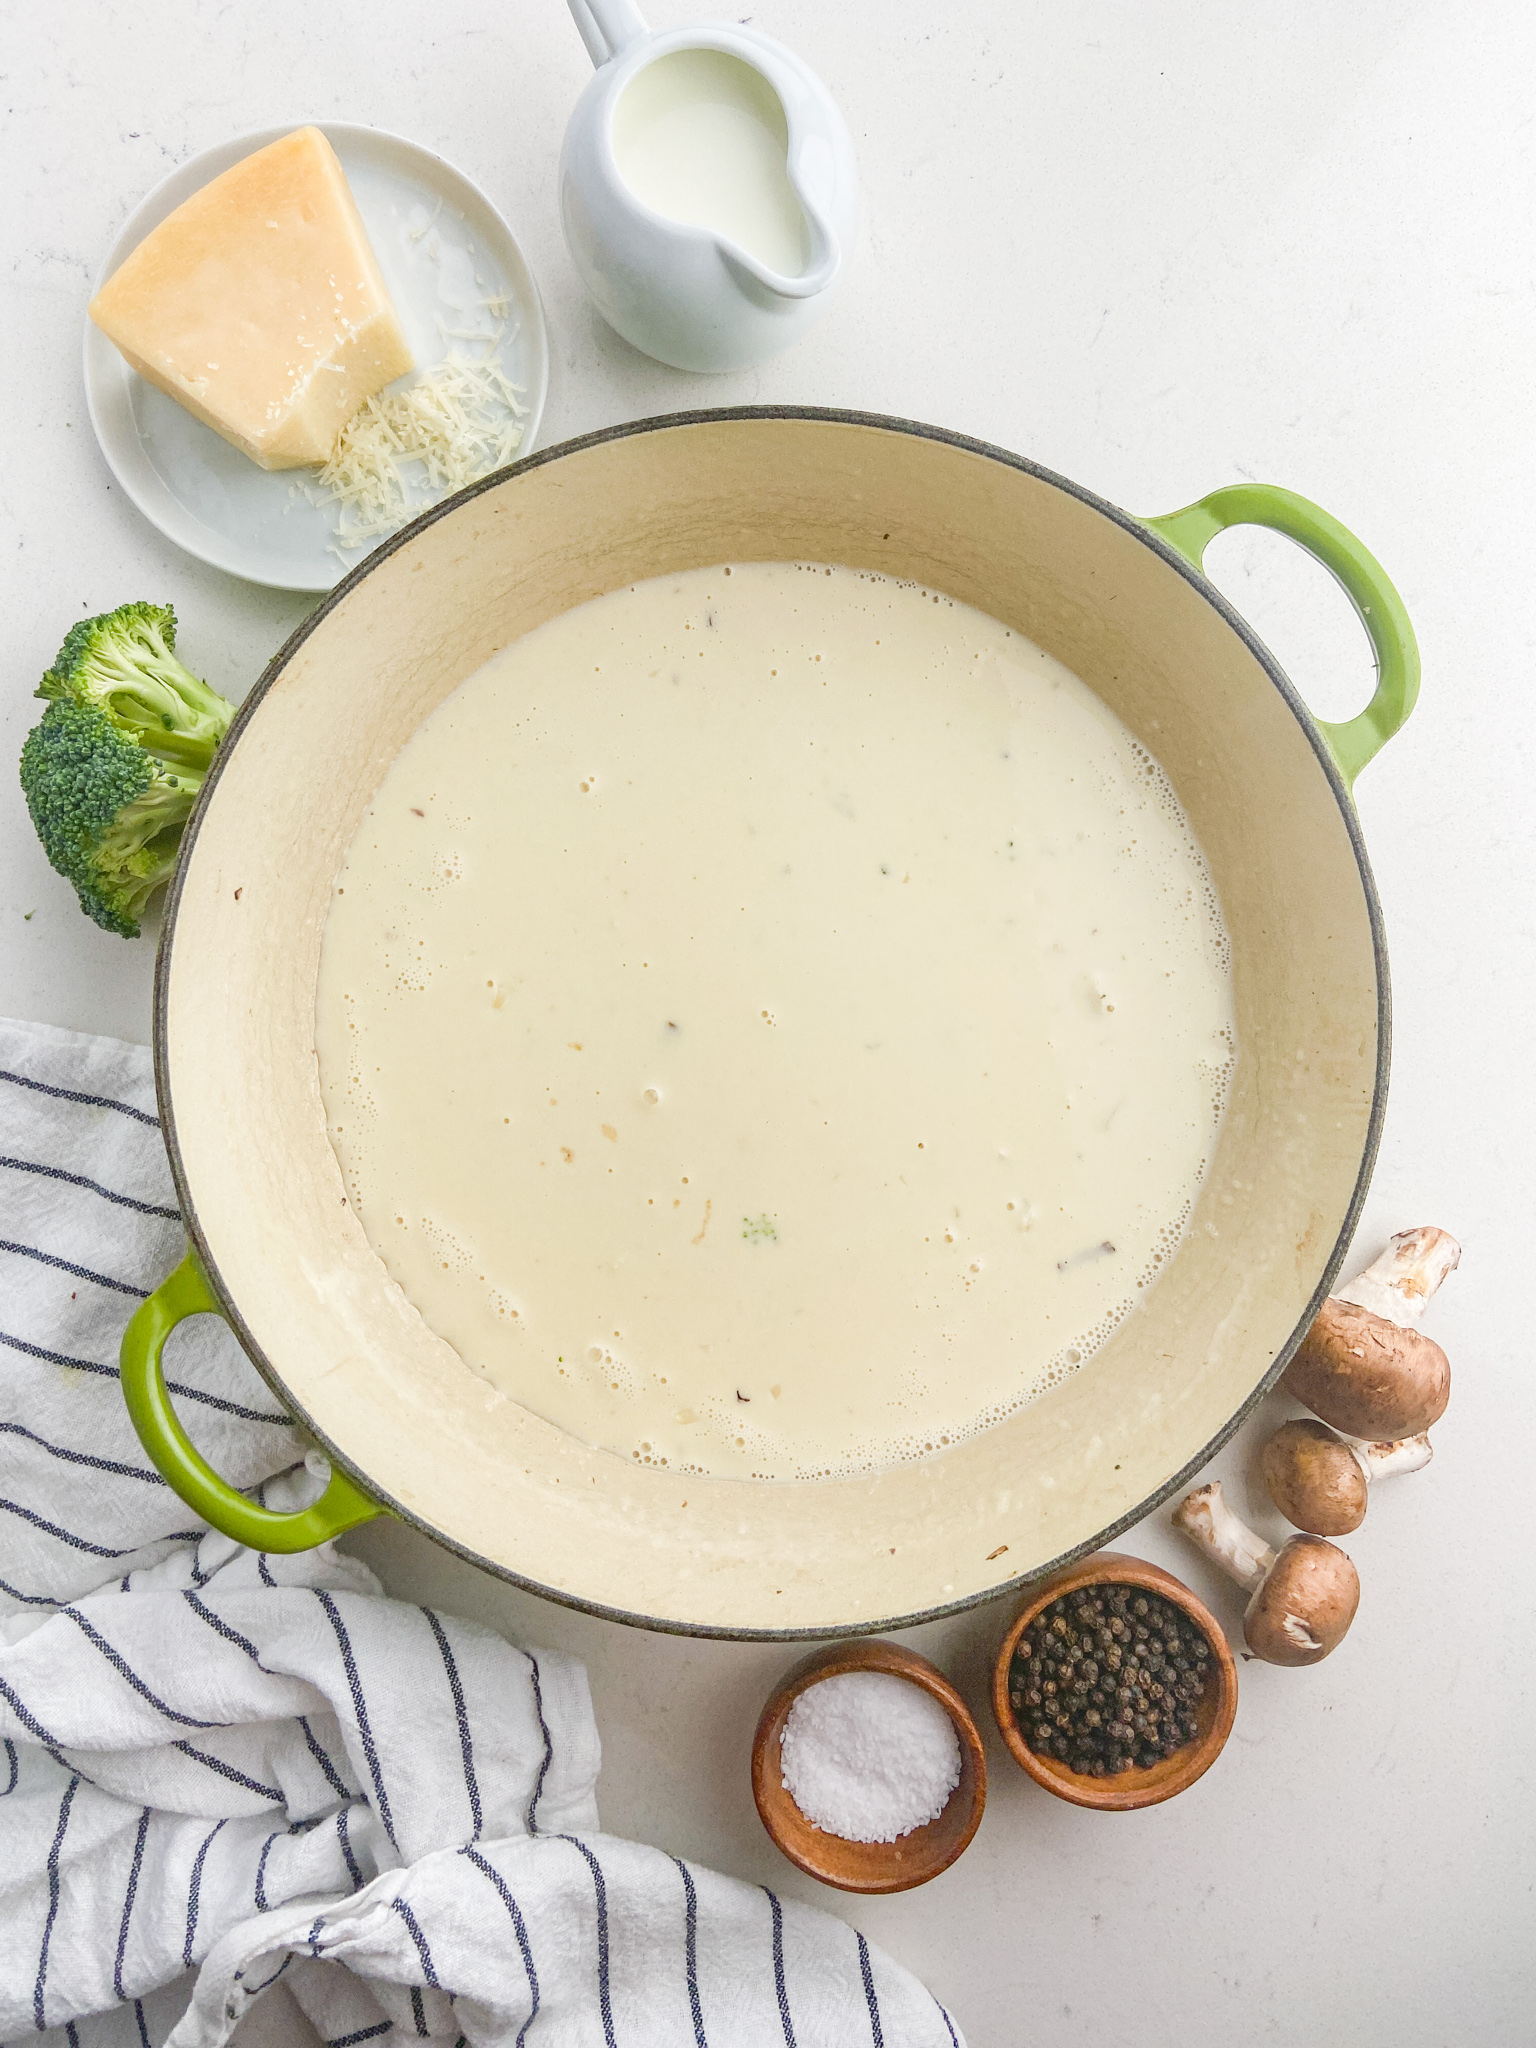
<point x="1158" y="247"/>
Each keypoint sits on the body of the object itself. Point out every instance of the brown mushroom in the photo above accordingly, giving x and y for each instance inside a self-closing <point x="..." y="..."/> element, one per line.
<point x="1319" y="1481"/>
<point x="1301" y="1599"/>
<point x="1363" y="1366"/>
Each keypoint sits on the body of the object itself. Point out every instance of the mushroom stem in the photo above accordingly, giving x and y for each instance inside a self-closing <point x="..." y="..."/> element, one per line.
<point x="1320" y="1481"/>
<point x="1364" y="1366"/>
<point x="1206" y="1520"/>
<point x="1301" y="1600"/>
<point x="1385" y="1461"/>
<point x="1401" y="1281"/>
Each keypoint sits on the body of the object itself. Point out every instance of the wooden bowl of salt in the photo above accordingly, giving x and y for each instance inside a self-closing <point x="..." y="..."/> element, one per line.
<point x="913" y="1857"/>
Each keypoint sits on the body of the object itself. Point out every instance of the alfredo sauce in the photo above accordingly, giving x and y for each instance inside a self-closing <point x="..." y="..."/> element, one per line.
<point x="773" y="1021"/>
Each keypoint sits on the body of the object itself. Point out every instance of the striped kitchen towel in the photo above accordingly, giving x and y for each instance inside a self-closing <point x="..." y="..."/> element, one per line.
<point x="259" y="1767"/>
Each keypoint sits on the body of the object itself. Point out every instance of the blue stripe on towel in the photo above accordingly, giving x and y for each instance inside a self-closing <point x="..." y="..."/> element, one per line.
<point x="15" y="1763"/>
<point x="254" y="1990"/>
<point x="221" y="1627"/>
<point x="362" y="2034"/>
<point x="78" y="1180"/>
<point x="422" y="1951"/>
<point x="489" y="1870"/>
<point x="28" y="1720"/>
<point x="260" y="1893"/>
<point x="549" y="1747"/>
<point x="133" y="1887"/>
<point x="601" y="1891"/>
<point x="236" y="1408"/>
<point x="14" y="1507"/>
<point x="332" y="1775"/>
<point x="143" y="1472"/>
<point x="869" y="1989"/>
<point x="28" y="1251"/>
<point x="38" y="1989"/>
<point x="216" y="1763"/>
<point x="35" y="1599"/>
<point x="194" y="1893"/>
<point x="691" y="1950"/>
<point x="343" y="1835"/>
<point x="778" y="1968"/>
<point x="419" y="2013"/>
<point x="182" y="1393"/>
<point x="466" y="1746"/>
<point x="74" y="1095"/>
<point x="36" y="1730"/>
<point x="365" y="1731"/>
<point x="126" y="1672"/>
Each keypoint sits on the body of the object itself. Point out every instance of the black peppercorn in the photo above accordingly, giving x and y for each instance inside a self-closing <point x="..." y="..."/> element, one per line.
<point x="1110" y="1680"/>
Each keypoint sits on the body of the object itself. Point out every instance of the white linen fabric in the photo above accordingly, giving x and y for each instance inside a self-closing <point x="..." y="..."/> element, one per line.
<point x="259" y="1766"/>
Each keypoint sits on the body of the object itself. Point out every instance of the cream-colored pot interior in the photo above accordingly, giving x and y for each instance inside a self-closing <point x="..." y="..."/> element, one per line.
<point x="235" y="1026"/>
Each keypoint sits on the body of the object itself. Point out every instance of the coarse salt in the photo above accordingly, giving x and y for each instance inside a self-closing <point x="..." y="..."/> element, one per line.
<point x="869" y="1756"/>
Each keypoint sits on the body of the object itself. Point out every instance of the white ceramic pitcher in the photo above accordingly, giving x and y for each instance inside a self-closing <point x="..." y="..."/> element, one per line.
<point x="696" y="296"/>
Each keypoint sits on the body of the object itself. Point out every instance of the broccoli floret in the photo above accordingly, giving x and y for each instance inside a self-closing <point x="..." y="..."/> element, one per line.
<point x="124" y="663"/>
<point x="112" y="772"/>
<point x="108" y="813"/>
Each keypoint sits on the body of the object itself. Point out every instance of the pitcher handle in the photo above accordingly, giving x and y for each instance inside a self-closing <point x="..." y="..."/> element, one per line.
<point x="607" y="26"/>
<point x="183" y="1293"/>
<point x="1356" y="740"/>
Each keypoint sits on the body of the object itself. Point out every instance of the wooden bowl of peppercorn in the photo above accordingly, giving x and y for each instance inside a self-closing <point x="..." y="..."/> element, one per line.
<point x="1143" y="1737"/>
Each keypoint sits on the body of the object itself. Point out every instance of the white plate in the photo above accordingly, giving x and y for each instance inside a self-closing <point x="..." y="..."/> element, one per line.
<point x="444" y="251"/>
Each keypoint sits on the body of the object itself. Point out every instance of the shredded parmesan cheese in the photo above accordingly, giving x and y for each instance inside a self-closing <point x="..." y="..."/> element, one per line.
<point x="405" y="449"/>
<point x="425" y="227"/>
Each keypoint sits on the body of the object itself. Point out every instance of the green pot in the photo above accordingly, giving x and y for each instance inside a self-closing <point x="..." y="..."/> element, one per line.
<point x="409" y="1429"/>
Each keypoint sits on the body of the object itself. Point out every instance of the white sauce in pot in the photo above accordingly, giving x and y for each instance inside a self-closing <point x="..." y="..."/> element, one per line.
<point x="773" y="1021"/>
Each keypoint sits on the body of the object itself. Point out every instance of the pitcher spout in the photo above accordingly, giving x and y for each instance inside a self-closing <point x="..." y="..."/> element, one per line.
<point x="809" y="170"/>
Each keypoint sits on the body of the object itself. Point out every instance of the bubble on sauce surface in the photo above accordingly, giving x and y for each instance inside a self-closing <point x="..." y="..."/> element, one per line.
<point x="771" y="1457"/>
<point x="447" y="867"/>
<point x="774" y="1461"/>
<point x="608" y="1370"/>
<point x="451" y="1253"/>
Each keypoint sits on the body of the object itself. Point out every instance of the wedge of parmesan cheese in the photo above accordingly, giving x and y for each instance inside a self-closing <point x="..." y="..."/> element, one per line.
<point x="259" y="305"/>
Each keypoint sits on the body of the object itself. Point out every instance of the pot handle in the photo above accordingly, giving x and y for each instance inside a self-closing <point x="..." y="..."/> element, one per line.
<point x="1357" y="740"/>
<point x="184" y="1293"/>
